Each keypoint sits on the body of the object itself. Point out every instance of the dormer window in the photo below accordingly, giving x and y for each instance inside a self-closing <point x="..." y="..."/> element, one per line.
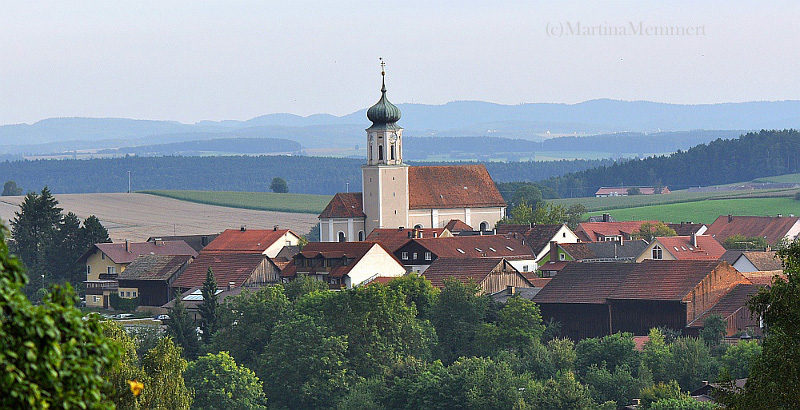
<point x="459" y="250"/>
<point x="658" y="253"/>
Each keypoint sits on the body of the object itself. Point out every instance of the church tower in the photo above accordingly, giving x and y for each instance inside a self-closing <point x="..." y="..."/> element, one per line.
<point x="385" y="176"/>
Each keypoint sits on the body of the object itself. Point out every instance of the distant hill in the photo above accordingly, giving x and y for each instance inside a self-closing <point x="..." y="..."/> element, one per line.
<point x="751" y="156"/>
<point x="253" y="146"/>
<point x="460" y="118"/>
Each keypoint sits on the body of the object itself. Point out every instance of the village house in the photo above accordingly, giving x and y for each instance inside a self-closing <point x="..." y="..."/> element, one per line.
<point x="758" y="261"/>
<point x="698" y="247"/>
<point x="772" y="228"/>
<point x="418" y="254"/>
<point x="104" y="261"/>
<point x="268" y="242"/>
<point x="490" y="274"/>
<point x="608" y="231"/>
<point x="622" y="251"/>
<point x="539" y="237"/>
<point x="393" y="239"/>
<point x="396" y="195"/>
<point x="149" y="277"/>
<point x="733" y="308"/>
<point x="603" y="192"/>
<point x="344" y="264"/>
<point x="197" y="242"/>
<point x="597" y="299"/>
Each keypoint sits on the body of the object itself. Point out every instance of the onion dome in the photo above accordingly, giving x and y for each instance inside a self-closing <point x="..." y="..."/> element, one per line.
<point x="383" y="114"/>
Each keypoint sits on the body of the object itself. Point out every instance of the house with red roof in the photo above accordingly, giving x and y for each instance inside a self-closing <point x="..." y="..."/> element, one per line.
<point x="692" y="247"/>
<point x="344" y="264"/>
<point x="772" y="228"/>
<point x="418" y="254"/>
<point x="608" y="231"/>
<point x="539" y="237"/>
<point x="393" y="239"/>
<point x="490" y="274"/>
<point x="104" y="261"/>
<point x="396" y="195"/>
<point x="149" y="278"/>
<point x="603" y="192"/>
<point x="265" y="241"/>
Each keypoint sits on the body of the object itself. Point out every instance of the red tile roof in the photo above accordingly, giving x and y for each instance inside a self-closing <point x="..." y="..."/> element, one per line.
<point x="476" y="246"/>
<point x="685" y="228"/>
<point x="594" y="230"/>
<point x="393" y="239"/>
<point x="537" y="237"/>
<point x="682" y="249"/>
<point x="764" y="278"/>
<point x="117" y="253"/>
<point x="337" y="251"/>
<point x="664" y="280"/>
<point x="539" y="282"/>
<point x="462" y="269"/>
<point x="250" y="240"/>
<point x="154" y="267"/>
<point x="729" y="303"/>
<point x="457" y="225"/>
<point x="771" y="228"/>
<point x="452" y="186"/>
<point x="228" y="267"/>
<point x="588" y="283"/>
<point x="344" y="205"/>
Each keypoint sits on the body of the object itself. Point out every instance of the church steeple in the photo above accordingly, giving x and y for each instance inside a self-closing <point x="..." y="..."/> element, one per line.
<point x="384" y="137"/>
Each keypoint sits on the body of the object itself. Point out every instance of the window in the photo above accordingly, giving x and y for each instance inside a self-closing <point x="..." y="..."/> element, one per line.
<point x="102" y="256"/>
<point x="658" y="253"/>
<point x="525" y="268"/>
<point x="96" y="299"/>
<point x="562" y="257"/>
<point x="417" y="226"/>
<point x="478" y="249"/>
<point x="360" y="235"/>
<point x="342" y="237"/>
<point x="334" y="281"/>
<point x="404" y="256"/>
<point x="134" y="294"/>
<point x="428" y="256"/>
<point x="380" y="152"/>
<point x="392" y="151"/>
<point x="414" y="256"/>
<point x="484" y="226"/>
<point x="111" y="270"/>
<point x="459" y="250"/>
<point x="492" y="249"/>
<point x="88" y="270"/>
<point x="563" y="234"/>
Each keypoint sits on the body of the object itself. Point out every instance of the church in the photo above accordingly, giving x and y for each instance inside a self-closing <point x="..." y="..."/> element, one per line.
<point x="396" y="195"/>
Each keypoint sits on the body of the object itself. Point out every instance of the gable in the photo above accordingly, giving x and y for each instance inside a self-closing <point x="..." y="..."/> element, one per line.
<point x="344" y="205"/>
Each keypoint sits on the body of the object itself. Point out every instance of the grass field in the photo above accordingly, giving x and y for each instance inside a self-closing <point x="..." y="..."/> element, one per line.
<point x="788" y="178"/>
<point x="262" y="201"/>
<point x="707" y="211"/>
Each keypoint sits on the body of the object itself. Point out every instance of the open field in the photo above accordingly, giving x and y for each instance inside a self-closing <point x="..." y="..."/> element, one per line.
<point x="262" y="201"/>
<point x="139" y="216"/>
<point x="788" y="178"/>
<point x="707" y="211"/>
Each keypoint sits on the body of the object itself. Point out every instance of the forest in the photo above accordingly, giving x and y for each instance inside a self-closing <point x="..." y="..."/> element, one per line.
<point x="751" y="156"/>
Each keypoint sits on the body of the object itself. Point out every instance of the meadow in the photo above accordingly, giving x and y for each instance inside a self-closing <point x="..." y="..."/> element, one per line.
<point x="707" y="211"/>
<point x="262" y="201"/>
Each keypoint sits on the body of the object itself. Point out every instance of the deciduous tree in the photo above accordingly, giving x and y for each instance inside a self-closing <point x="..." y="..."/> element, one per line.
<point x="217" y="382"/>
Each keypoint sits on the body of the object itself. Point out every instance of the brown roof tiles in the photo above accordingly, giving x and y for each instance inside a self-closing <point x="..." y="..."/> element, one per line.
<point x="452" y="186"/>
<point x="154" y="267"/>
<point x="249" y="240"/>
<point x="228" y="267"/>
<point x="344" y="205"/>
<point x="771" y="228"/>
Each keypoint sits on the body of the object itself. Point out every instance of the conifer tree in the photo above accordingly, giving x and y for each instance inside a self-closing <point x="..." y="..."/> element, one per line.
<point x="182" y="328"/>
<point x="208" y="309"/>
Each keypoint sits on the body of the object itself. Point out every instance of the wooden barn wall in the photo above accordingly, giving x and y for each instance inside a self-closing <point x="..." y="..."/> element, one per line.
<point x="499" y="280"/>
<point x="265" y="272"/>
<point x="639" y="316"/>
<point x="151" y="292"/>
<point x="578" y="320"/>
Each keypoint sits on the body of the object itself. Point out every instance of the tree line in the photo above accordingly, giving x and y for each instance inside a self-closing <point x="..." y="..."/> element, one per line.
<point x="722" y="161"/>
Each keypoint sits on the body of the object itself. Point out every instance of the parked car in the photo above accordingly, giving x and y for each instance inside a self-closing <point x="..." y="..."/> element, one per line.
<point x="161" y="317"/>
<point x="123" y="316"/>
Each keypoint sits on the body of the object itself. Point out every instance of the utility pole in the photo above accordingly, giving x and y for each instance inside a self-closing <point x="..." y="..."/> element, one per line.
<point x="346" y="187"/>
<point x="129" y="182"/>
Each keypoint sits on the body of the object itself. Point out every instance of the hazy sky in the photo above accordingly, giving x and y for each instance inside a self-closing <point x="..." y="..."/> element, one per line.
<point x="196" y="60"/>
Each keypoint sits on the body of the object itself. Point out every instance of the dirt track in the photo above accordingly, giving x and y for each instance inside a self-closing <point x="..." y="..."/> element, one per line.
<point x="139" y="216"/>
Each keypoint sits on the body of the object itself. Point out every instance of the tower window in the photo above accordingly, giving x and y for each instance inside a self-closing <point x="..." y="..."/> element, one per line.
<point x="380" y="152"/>
<point x="360" y="235"/>
<point x="392" y="151"/>
<point x="341" y="237"/>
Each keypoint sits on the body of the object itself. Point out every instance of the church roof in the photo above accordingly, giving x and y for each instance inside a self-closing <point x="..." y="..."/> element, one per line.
<point x="344" y="205"/>
<point x="452" y="186"/>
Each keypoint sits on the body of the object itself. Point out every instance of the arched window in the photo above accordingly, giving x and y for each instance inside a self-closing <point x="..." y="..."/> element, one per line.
<point x="392" y="151"/>
<point x="361" y="235"/>
<point x="341" y="237"/>
<point x="380" y="152"/>
<point x="418" y="226"/>
<point x="370" y="152"/>
<point x="484" y="226"/>
<point x="657" y="252"/>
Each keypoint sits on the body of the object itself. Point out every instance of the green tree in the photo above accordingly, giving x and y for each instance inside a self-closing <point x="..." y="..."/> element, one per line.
<point x="744" y="242"/>
<point x="65" y="249"/>
<point x="10" y="188"/>
<point x="182" y="328"/>
<point x="303" y="285"/>
<point x="530" y="194"/>
<point x="217" y="382"/>
<point x="93" y="232"/>
<point x="519" y="327"/>
<point x="714" y="329"/>
<point x="575" y="214"/>
<point x="417" y="291"/>
<point x="739" y="357"/>
<point x="246" y="322"/>
<point x="305" y="365"/>
<point x="208" y="309"/>
<point x="563" y="353"/>
<point x="562" y="392"/>
<point x="648" y="231"/>
<point x="165" y="387"/>
<point x="683" y="403"/>
<point x="691" y="362"/>
<point x="51" y="356"/>
<point x="656" y="355"/>
<point x="33" y="229"/>
<point x="634" y="191"/>
<point x="457" y="314"/>
<point x="656" y="392"/>
<point x="279" y="185"/>
<point x="774" y="380"/>
<point x="609" y="352"/>
<point x="618" y="385"/>
<point x="127" y="368"/>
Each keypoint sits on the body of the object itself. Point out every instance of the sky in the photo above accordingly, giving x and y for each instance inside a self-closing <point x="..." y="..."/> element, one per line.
<point x="213" y="60"/>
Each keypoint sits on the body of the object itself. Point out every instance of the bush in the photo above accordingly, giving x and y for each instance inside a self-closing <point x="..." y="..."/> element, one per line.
<point x="124" y="304"/>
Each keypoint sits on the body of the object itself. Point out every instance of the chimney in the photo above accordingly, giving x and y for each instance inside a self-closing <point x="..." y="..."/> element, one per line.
<point x="127" y="246"/>
<point x="553" y="251"/>
<point x="400" y="229"/>
<point x="511" y="290"/>
<point x="243" y="228"/>
<point x="435" y="234"/>
<point x="780" y="215"/>
<point x="494" y="231"/>
<point x="231" y="285"/>
<point x="730" y="218"/>
<point x="275" y="228"/>
<point x="693" y="238"/>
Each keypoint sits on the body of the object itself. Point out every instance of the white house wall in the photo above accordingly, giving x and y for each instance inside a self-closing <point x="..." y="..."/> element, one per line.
<point x="375" y="262"/>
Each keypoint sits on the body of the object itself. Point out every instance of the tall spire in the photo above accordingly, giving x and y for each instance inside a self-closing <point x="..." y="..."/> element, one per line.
<point x="383" y="75"/>
<point x="383" y="114"/>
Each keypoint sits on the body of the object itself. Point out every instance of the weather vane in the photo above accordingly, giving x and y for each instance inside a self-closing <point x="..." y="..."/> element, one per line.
<point x="383" y="66"/>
